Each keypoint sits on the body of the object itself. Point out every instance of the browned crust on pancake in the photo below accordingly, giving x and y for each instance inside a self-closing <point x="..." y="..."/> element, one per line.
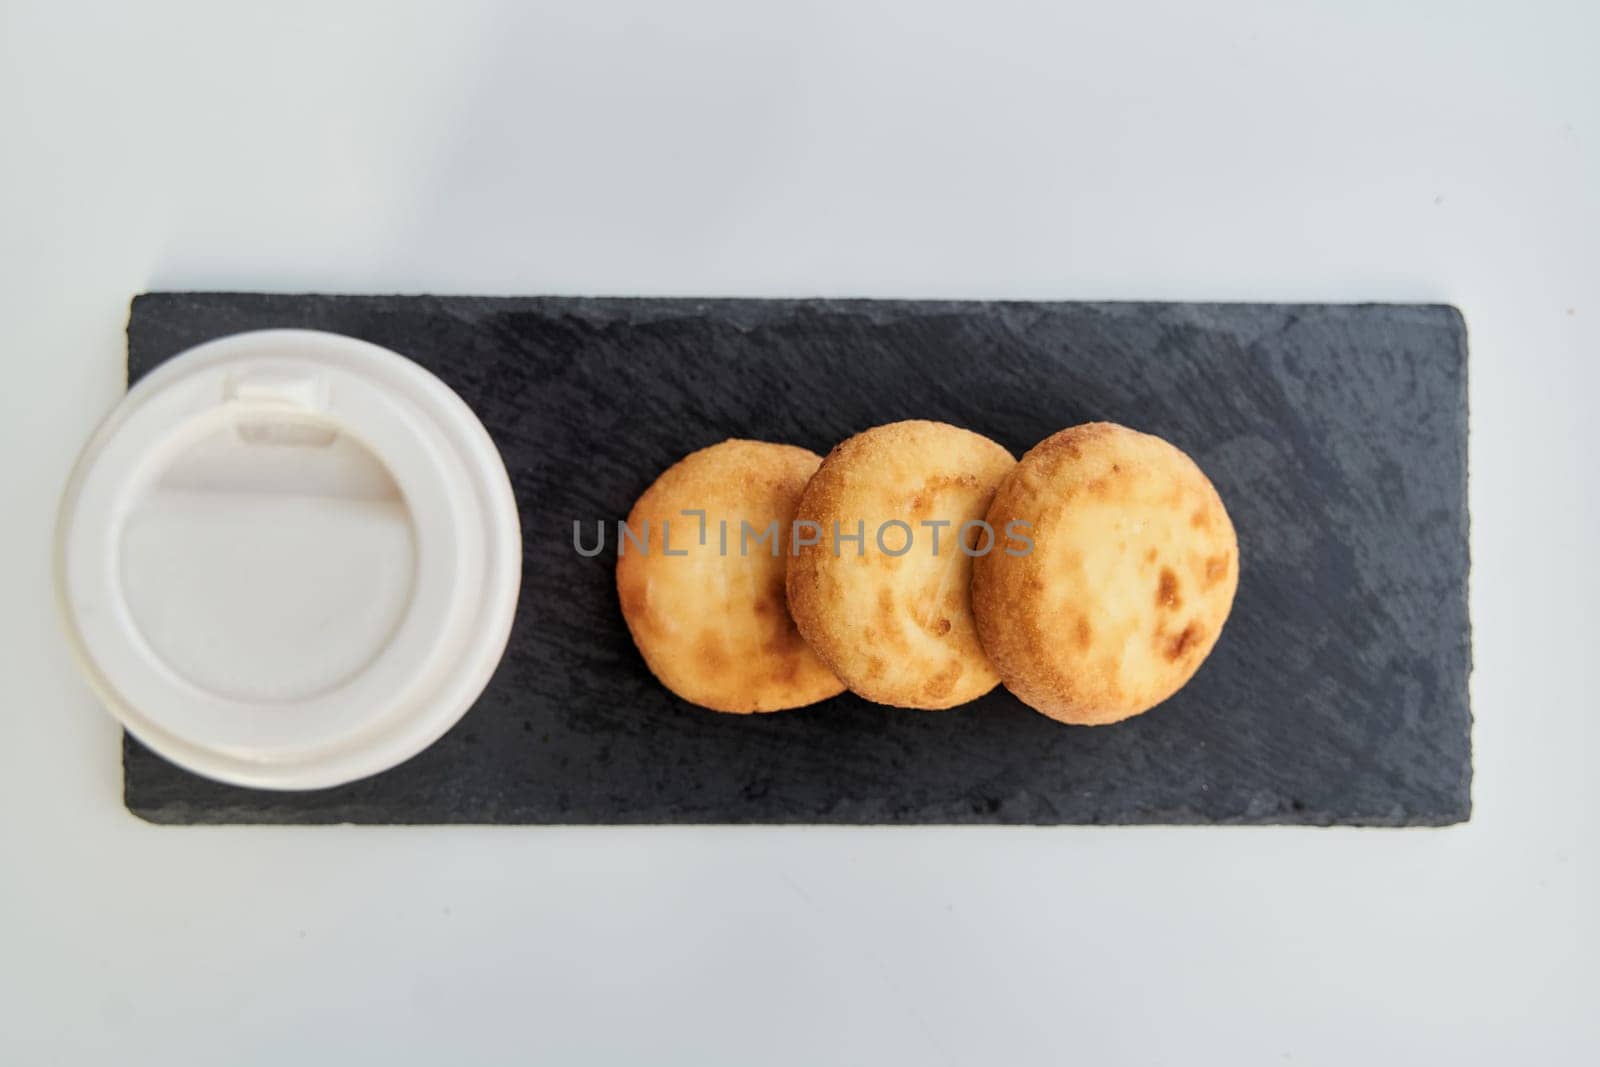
<point x="1132" y="576"/>
<point x="716" y="629"/>
<point x="898" y="630"/>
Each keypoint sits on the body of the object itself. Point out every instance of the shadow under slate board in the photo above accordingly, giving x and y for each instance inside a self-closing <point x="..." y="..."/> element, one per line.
<point x="1336" y="434"/>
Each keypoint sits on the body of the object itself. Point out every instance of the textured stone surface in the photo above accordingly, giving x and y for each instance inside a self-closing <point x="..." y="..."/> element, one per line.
<point x="1336" y="435"/>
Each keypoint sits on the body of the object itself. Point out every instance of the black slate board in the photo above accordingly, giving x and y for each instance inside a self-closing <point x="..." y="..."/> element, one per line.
<point x="1336" y="435"/>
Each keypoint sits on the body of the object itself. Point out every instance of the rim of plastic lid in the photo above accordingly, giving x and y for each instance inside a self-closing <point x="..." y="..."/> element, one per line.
<point x="468" y="563"/>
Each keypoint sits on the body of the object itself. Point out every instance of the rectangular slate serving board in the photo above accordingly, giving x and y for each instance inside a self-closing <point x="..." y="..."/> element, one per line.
<point x="1336" y="434"/>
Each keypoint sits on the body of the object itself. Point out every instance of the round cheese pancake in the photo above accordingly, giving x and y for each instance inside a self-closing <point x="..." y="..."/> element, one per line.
<point x="890" y="611"/>
<point x="1131" y="576"/>
<point x="705" y="606"/>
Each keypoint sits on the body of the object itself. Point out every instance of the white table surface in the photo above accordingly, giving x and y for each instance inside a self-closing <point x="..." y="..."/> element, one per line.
<point x="1340" y="151"/>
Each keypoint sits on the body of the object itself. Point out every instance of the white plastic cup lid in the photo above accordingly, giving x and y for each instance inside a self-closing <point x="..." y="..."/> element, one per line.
<point x="289" y="559"/>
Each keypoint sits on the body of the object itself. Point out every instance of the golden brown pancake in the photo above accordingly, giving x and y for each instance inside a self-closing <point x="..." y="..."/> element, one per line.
<point x="1130" y="580"/>
<point x="897" y="628"/>
<point x="712" y="625"/>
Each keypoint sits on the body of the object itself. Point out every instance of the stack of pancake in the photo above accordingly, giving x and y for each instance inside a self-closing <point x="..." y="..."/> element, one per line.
<point x="920" y="565"/>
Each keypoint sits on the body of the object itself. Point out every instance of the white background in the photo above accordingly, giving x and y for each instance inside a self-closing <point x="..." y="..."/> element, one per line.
<point x="1341" y="151"/>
